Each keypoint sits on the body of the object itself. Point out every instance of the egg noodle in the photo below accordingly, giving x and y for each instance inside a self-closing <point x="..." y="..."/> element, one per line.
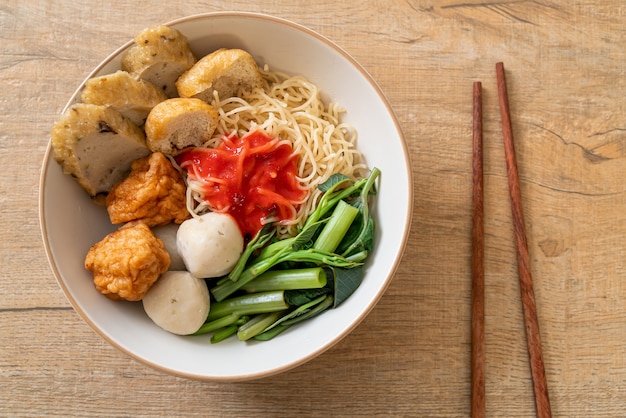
<point x="290" y="108"/>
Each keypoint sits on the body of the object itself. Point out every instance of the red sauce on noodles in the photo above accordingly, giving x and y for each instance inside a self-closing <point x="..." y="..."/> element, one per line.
<point x="253" y="178"/>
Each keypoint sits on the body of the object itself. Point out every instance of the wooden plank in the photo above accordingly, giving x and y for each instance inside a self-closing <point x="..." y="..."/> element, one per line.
<point x="567" y="93"/>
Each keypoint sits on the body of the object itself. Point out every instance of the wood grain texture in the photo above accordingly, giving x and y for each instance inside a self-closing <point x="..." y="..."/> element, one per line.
<point x="527" y="291"/>
<point x="411" y="355"/>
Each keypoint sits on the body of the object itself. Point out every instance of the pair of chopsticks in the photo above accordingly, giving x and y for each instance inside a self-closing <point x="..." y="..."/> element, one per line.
<point x="531" y="323"/>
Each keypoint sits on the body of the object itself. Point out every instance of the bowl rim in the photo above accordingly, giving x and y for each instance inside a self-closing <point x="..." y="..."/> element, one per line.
<point x="392" y="271"/>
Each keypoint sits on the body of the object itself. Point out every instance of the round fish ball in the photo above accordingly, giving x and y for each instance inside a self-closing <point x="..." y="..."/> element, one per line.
<point x="178" y="302"/>
<point x="210" y="245"/>
<point x="167" y="234"/>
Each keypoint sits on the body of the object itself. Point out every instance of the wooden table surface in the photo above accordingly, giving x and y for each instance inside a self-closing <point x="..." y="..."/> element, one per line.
<point x="566" y="72"/>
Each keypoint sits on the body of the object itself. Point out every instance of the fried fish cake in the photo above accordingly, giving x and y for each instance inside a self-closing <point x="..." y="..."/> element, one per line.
<point x="154" y="193"/>
<point x="96" y="145"/>
<point x="224" y="71"/>
<point x="128" y="94"/>
<point x="127" y="262"/>
<point x="160" y="55"/>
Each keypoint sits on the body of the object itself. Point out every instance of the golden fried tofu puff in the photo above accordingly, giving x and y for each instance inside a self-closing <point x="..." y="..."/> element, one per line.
<point x="154" y="193"/>
<point x="127" y="262"/>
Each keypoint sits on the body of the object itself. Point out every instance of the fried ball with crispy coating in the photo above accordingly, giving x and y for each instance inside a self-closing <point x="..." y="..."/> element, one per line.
<point x="127" y="262"/>
<point x="153" y="192"/>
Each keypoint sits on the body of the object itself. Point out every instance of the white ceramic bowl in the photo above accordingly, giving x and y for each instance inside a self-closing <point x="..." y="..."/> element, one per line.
<point x="71" y="223"/>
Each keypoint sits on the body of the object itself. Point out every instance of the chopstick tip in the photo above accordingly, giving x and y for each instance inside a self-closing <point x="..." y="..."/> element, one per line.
<point x="500" y="67"/>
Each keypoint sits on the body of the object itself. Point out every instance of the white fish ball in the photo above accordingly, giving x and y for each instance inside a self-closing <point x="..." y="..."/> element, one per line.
<point x="210" y="245"/>
<point x="178" y="302"/>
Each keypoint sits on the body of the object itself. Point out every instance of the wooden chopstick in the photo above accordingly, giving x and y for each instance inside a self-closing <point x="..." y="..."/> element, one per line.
<point x="531" y="322"/>
<point x="478" y="250"/>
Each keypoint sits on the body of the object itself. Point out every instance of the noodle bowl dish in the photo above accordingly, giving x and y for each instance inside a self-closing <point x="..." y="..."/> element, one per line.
<point x="248" y="219"/>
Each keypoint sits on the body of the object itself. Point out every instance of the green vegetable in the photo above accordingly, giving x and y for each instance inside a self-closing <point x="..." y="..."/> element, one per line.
<point x="291" y="280"/>
<point x="305" y="278"/>
<point x="304" y="296"/>
<point x="321" y="305"/>
<point x="233" y="318"/>
<point x="268" y="335"/>
<point x="319" y="308"/>
<point x="300" y="310"/>
<point x="336" y="227"/>
<point x="223" y="333"/>
<point x="257" y="325"/>
<point x="250" y="304"/>
<point x="224" y="289"/>
<point x="360" y="237"/>
<point x="276" y="247"/>
<point x="344" y="282"/>
<point x="260" y="239"/>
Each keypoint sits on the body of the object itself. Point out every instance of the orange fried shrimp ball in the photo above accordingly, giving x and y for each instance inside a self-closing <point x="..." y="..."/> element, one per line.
<point x="127" y="262"/>
<point x="153" y="192"/>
